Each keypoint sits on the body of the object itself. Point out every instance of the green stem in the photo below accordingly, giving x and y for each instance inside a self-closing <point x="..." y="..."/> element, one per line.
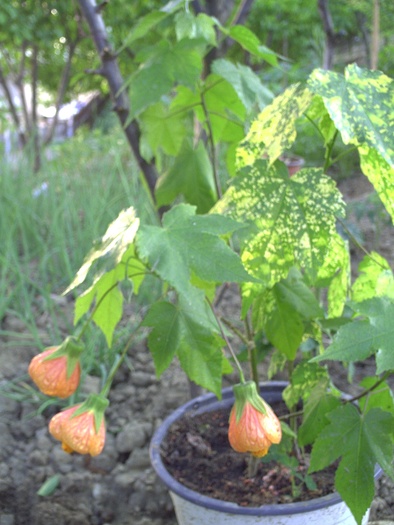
<point x="327" y="162"/>
<point x="118" y="361"/>
<point x="370" y="389"/>
<point x="212" y="148"/>
<point x="97" y="305"/>
<point x="229" y="346"/>
<point x="360" y="246"/>
<point x="252" y="353"/>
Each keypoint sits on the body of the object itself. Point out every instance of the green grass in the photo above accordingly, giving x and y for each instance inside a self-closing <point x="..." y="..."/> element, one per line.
<point x="45" y="236"/>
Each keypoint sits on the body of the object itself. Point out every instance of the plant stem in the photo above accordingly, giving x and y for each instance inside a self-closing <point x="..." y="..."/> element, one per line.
<point x="370" y="389"/>
<point x="97" y="305"/>
<point x="118" y="361"/>
<point x="252" y="353"/>
<point x="233" y="355"/>
<point x="327" y="162"/>
<point x="212" y="148"/>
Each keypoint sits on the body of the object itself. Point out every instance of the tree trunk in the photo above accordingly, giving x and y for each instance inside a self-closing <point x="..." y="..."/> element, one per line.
<point x="12" y="108"/>
<point x="375" y="35"/>
<point x="328" y="27"/>
<point x="110" y="70"/>
<point x="34" y="117"/>
<point x="61" y="91"/>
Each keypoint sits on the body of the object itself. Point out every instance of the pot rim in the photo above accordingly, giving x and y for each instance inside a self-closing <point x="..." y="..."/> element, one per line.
<point x="198" y="405"/>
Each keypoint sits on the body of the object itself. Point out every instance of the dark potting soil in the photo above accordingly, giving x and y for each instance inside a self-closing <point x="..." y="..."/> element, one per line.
<point x="197" y="453"/>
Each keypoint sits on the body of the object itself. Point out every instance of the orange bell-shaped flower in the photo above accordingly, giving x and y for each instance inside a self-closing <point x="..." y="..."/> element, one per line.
<point x="253" y="425"/>
<point x="81" y="428"/>
<point x="57" y="370"/>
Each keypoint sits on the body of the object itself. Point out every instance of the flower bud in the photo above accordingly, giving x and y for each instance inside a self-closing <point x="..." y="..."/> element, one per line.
<point x="253" y="425"/>
<point x="57" y="370"/>
<point x="81" y="428"/>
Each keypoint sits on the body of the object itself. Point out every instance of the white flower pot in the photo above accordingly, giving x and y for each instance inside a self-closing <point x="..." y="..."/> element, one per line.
<point x="193" y="508"/>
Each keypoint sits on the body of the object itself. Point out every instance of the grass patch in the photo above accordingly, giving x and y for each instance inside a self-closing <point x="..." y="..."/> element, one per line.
<point x="49" y="220"/>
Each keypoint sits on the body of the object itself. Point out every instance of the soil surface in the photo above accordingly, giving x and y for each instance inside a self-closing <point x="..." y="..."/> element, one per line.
<point x="119" y="486"/>
<point x="205" y="462"/>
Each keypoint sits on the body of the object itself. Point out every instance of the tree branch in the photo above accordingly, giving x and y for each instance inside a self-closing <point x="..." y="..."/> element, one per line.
<point x="111" y="72"/>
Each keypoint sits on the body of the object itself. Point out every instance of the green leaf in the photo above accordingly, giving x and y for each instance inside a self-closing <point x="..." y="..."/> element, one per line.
<point x="225" y="110"/>
<point x="110" y="299"/>
<point x="164" y="338"/>
<point x="112" y="246"/>
<point x="316" y="408"/>
<point x="162" y="129"/>
<point x="142" y="27"/>
<point x="294" y="219"/>
<point x="380" y="174"/>
<point x="283" y="327"/>
<point x="361" y="441"/>
<point x="274" y="130"/>
<point x="318" y="113"/>
<point x="375" y="279"/>
<point x="380" y="397"/>
<point x="205" y="28"/>
<point x="250" y="42"/>
<point x="105" y="292"/>
<point x="187" y="25"/>
<point x="246" y="83"/>
<point x="304" y="379"/>
<point x="294" y="291"/>
<point x="180" y="63"/>
<point x="361" y="338"/>
<point x="191" y="243"/>
<point x="49" y="486"/>
<point x="335" y="273"/>
<point x="190" y="176"/>
<point x="360" y="103"/>
<point x="188" y="331"/>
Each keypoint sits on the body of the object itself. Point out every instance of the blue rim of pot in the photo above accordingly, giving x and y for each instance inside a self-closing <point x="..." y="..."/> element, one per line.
<point x="271" y="391"/>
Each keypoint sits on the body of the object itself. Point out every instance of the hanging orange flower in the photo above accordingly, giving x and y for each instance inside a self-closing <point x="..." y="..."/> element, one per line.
<point x="81" y="428"/>
<point x="253" y="425"/>
<point x="57" y="370"/>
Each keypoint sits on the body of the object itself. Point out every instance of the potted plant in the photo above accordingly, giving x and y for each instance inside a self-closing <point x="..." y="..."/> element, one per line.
<point x="278" y="238"/>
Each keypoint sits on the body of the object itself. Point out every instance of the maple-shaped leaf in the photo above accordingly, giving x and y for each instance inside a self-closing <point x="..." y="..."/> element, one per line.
<point x="361" y="441"/>
<point x="274" y="131"/>
<point x="187" y="330"/>
<point x="112" y="246"/>
<point x="219" y="102"/>
<point x="168" y="64"/>
<point x="162" y="129"/>
<point x="319" y="403"/>
<point x="360" y="103"/>
<point x="294" y="218"/>
<point x="304" y="379"/>
<point x="246" y="83"/>
<point x="191" y="176"/>
<point x="105" y="296"/>
<point x="189" y="243"/>
<point x="362" y="337"/>
<point x="375" y="279"/>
